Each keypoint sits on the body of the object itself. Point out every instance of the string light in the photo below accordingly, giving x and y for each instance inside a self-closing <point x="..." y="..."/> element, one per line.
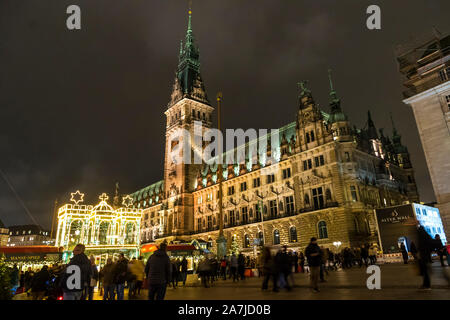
<point x="99" y="227"/>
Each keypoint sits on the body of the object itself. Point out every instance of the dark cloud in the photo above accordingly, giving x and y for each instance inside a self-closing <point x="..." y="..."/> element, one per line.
<point x="83" y="109"/>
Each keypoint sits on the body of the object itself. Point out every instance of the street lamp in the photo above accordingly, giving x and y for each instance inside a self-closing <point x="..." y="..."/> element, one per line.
<point x="337" y="244"/>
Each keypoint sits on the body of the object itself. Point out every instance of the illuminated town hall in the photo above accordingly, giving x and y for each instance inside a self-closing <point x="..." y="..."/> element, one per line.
<point x="329" y="177"/>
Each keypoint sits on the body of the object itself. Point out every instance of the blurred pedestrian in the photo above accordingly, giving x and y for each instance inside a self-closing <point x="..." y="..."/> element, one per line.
<point x="108" y="280"/>
<point x="269" y="270"/>
<point x="39" y="284"/>
<point x="120" y="275"/>
<point x="174" y="273"/>
<point x="89" y="290"/>
<point x="404" y="253"/>
<point x="223" y="268"/>
<point x="425" y="246"/>
<point x="241" y="266"/>
<point x="295" y="260"/>
<point x="302" y="262"/>
<point x="314" y="256"/>
<point x="184" y="265"/>
<point x="439" y="248"/>
<point x="234" y="267"/>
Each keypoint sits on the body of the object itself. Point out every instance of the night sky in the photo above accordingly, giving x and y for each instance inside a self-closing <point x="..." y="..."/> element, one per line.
<point x="84" y="109"/>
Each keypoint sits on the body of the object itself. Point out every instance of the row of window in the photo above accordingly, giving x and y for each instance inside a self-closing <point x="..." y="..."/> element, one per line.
<point x="322" y="232"/>
<point x="245" y="215"/>
<point x="270" y="178"/>
<point x="197" y="115"/>
<point x="318" y="161"/>
<point x="45" y="233"/>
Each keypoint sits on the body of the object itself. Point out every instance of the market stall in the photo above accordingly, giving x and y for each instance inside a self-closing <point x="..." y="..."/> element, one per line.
<point x="32" y="256"/>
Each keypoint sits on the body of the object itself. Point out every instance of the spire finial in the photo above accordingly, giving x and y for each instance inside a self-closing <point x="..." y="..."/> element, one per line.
<point x="331" y="80"/>
<point x="394" y="130"/>
<point x="190" y="14"/>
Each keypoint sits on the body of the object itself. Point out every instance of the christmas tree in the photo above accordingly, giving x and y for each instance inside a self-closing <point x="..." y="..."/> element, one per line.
<point x="234" y="246"/>
<point x="5" y="281"/>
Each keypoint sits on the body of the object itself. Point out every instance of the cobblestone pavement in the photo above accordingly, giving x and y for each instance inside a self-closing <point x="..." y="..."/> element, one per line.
<point x="398" y="282"/>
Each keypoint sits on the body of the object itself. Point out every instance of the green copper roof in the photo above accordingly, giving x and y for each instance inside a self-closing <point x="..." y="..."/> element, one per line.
<point x="287" y="131"/>
<point x="148" y="191"/>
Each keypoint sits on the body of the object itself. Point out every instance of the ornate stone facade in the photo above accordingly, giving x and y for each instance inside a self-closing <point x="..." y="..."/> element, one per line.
<point x="326" y="181"/>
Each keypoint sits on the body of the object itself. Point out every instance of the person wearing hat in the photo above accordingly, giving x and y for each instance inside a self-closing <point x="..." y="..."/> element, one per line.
<point x="314" y="256"/>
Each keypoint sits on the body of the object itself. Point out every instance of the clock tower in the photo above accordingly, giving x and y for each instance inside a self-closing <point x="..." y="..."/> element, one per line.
<point x="188" y="104"/>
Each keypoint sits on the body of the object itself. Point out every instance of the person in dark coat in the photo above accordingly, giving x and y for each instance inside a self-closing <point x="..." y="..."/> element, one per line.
<point x="89" y="293"/>
<point x="14" y="277"/>
<point x="158" y="273"/>
<point x="284" y="265"/>
<point x="108" y="280"/>
<point x="120" y="276"/>
<point x="269" y="270"/>
<point x="174" y="273"/>
<point x="425" y="244"/>
<point x="72" y="290"/>
<point x="28" y="279"/>
<point x="439" y="248"/>
<point x="295" y="261"/>
<point x="241" y="266"/>
<point x="314" y="256"/>
<point x="404" y="253"/>
<point x="365" y="254"/>
<point x="184" y="266"/>
<point x="39" y="284"/>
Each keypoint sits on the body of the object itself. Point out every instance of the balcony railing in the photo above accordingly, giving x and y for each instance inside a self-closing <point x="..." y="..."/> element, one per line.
<point x="426" y="85"/>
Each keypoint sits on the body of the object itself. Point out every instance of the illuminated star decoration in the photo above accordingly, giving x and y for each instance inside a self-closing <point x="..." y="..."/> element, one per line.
<point x="127" y="201"/>
<point x="103" y="197"/>
<point x="76" y="197"/>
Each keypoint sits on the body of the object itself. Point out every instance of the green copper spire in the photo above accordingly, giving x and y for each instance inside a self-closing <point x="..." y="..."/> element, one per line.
<point x="335" y="103"/>
<point x="332" y="92"/>
<point x="188" y="81"/>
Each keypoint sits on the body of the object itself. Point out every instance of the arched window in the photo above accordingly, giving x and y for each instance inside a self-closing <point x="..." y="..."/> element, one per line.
<point x="75" y="232"/>
<point x="261" y="238"/>
<point x="355" y="220"/>
<point x="103" y="232"/>
<point x="130" y="231"/>
<point x="276" y="237"/>
<point x="306" y="200"/>
<point x="328" y="195"/>
<point x="323" y="231"/>
<point x="292" y="234"/>
<point x="246" y="241"/>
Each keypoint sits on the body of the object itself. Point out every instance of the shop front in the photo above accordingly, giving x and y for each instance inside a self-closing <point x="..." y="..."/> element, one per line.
<point x="32" y="256"/>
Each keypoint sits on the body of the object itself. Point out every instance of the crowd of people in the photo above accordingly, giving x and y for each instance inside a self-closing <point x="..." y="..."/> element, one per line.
<point x="160" y="271"/>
